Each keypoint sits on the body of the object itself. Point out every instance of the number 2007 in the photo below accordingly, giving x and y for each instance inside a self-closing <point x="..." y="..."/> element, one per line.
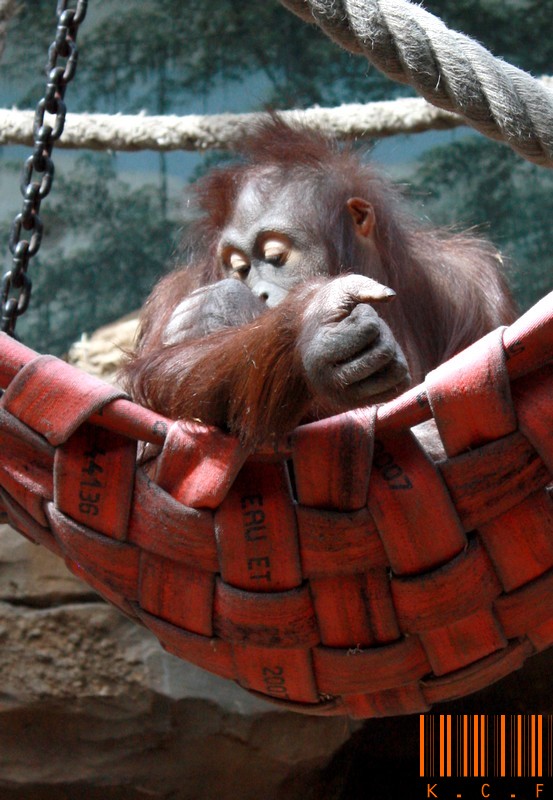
<point x="392" y="473"/>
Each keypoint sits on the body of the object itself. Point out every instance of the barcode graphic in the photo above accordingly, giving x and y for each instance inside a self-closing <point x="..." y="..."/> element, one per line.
<point x="482" y="745"/>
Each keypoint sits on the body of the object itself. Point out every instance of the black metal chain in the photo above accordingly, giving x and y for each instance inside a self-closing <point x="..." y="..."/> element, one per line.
<point x="38" y="170"/>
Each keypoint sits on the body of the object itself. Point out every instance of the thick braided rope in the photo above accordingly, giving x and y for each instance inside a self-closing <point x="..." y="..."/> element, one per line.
<point x="449" y="69"/>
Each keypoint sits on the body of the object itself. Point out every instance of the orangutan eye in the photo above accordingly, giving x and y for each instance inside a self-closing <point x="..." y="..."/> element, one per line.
<point x="275" y="251"/>
<point x="237" y="262"/>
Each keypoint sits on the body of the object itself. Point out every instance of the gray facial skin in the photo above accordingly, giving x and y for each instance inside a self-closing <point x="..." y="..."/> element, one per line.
<point x="269" y="243"/>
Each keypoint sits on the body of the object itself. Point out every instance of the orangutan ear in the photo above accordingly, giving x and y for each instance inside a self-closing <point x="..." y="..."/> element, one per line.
<point x="363" y="216"/>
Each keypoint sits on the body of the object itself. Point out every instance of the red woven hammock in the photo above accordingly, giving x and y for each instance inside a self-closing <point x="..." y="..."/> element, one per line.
<point x="376" y="586"/>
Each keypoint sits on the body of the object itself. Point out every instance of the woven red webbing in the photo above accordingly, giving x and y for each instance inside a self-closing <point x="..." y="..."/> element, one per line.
<point x="350" y="573"/>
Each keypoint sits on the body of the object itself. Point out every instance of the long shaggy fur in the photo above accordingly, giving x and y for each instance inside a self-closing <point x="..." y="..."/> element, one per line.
<point x="450" y="290"/>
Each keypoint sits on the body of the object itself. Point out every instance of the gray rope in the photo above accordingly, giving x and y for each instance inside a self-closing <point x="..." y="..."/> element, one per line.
<point x="222" y="131"/>
<point x="130" y="132"/>
<point x="450" y="70"/>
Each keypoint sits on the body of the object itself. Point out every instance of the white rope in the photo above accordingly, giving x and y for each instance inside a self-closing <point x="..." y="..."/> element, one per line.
<point x="129" y="132"/>
<point x="221" y="131"/>
<point x="450" y="70"/>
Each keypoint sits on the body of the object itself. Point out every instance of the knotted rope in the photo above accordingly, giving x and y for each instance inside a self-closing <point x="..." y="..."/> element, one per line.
<point x="449" y="69"/>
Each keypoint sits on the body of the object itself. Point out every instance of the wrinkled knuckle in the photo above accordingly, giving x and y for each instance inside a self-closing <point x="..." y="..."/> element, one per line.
<point x="402" y="364"/>
<point x="403" y="371"/>
<point x="387" y="352"/>
<point x="371" y="328"/>
<point x="399" y="372"/>
<point x="368" y="318"/>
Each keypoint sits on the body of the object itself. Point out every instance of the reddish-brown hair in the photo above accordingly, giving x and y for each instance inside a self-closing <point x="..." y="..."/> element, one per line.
<point x="450" y="289"/>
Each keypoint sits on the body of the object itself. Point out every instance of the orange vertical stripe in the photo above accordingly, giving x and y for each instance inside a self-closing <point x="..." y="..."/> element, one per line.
<point x="475" y="746"/>
<point x="421" y="744"/>
<point x="448" y="720"/>
<point x="466" y="745"/>
<point x="502" y="746"/>
<point x="540" y="746"/>
<point x="519" y="745"/>
<point x="483" y="745"/>
<point x="442" y="746"/>
<point x="533" y="745"/>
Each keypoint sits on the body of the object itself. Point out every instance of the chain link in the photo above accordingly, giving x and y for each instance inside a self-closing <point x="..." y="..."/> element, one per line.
<point x="38" y="171"/>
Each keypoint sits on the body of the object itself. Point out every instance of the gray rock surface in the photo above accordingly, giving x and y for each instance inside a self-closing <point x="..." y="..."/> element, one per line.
<point x="91" y="706"/>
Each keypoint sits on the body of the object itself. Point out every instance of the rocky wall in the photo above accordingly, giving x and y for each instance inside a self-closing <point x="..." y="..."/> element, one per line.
<point x="92" y="707"/>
